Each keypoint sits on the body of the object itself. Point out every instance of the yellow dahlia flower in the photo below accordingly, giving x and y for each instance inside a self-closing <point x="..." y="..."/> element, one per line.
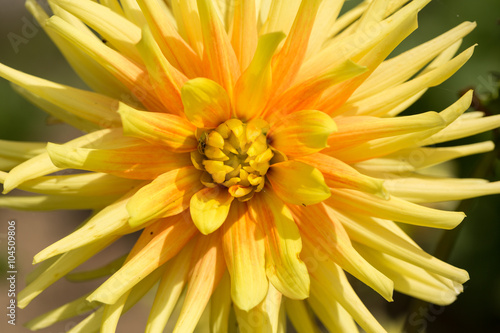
<point x="257" y="147"/>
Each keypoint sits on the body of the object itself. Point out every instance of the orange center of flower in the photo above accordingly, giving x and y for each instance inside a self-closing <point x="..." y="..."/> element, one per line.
<point x="235" y="155"/>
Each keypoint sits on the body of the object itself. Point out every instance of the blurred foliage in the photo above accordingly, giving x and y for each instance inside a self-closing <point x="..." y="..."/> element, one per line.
<point x="478" y="244"/>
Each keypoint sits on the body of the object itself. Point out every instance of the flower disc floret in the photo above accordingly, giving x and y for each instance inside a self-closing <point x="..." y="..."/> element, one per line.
<point x="236" y="155"/>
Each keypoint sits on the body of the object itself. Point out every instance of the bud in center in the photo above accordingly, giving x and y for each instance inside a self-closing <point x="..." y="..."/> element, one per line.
<point x="235" y="155"/>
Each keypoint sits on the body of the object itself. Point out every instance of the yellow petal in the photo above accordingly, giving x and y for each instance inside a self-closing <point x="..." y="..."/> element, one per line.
<point x="206" y="103"/>
<point x="394" y="209"/>
<point x="220" y="306"/>
<point x="117" y="30"/>
<point x="218" y="53"/>
<point x="301" y="133"/>
<point x="54" y="202"/>
<point x="165" y="79"/>
<point x="300" y="316"/>
<point x="72" y="309"/>
<point x="209" y="208"/>
<point x="329" y="282"/>
<point x="208" y="269"/>
<point x="133" y="76"/>
<point x="244" y="34"/>
<point x="298" y="183"/>
<point x="172" y="45"/>
<point x="289" y="59"/>
<point x="138" y="162"/>
<point x="65" y="264"/>
<point x="95" y="108"/>
<point x="170" y="289"/>
<point x="375" y="234"/>
<point x="264" y="318"/>
<point x="188" y="23"/>
<point x="244" y="251"/>
<point x="42" y="165"/>
<point x="172" y="131"/>
<point x="167" y="195"/>
<point x="320" y="227"/>
<point x="162" y="241"/>
<point x="333" y="316"/>
<point x="341" y="175"/>
<point x="284" y="268"/>
<point x="110" y="221"/>
<point x="97" y="273"/>
<point x="252" y="89"/>
<point x="409" y="279"/>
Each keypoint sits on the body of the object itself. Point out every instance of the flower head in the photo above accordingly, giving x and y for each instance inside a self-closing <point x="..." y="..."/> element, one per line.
<point x="257" y="147"/>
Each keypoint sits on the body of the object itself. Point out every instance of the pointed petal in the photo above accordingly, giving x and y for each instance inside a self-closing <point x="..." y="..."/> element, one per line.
<point x="137" y="162"/>
<point x="95" y="108"/>
<point x="72" y="309"/>
<point x="302" y="133"/>
<point x="300" y="316"/>
<point x="284" y="268"/>
<point x="334" y="316"/>
<point x="219" y="53"/>
<point x="244" y="31"/>
<point x="375" y="234"/>
<point x="321" y="229"/>
<point x="162" y="241"/>
<point x="394" y="209"/>
<point x="220" y="306"/>
<point x="97" y="273"/>
<point x="252" y="89"/>
<point x="116" y="29"/>
<point x="298" y="183"/>
<point x="244" y="251"/>
<point x="65" y="264"/>
<point x="165" y="79"/>
<point x="174" y="132"/>
<point x="173" y="47"/>
<point x="329" y="282"/>
<point x="110" y="221"/>
<point x="264" y="317"/>
<point x="208" y="269"/>
<point x="206" y="103"/>
<point x="341" y="175"/>
<point x="54" y="202"/>
<point x="167" y="195"/>
<point x="209" y="208"/>
<point x="133" y="76"/>
<point x="288" y="61"/>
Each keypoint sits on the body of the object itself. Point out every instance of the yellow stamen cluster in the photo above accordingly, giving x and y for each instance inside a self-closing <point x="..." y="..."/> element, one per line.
<point x="235" y="155"/>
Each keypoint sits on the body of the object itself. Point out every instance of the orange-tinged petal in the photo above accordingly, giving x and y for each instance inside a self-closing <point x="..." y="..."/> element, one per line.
<point x="244" y="31"/>
<point x="209" y="208"/>
<point x="137" y="162"/>
<point x="170" y="289"/>
<point x="134" y="77"/>
<point x="284" y="268"/>
<point x="172" y="45"/>
<point x="323" y="231"/>
<point x="244" y="250"/>
<point x="208" y="270"/>
<point x="298" y="183"/>
<point x="288" y="61"/>
<point x="394" y="209"/>
<point x="167" y="195"/>
<point x="157" y="244"/>
<point x="301" y="133"/>
<point x="171" y="131"/>
<point x="218" y="53"/>
<point x="165" y="78"/>
<point x="306" y="94"/>
<point x="341" y="175"/>
<point x="206" y="104"/>
<point x="254" y="85"/>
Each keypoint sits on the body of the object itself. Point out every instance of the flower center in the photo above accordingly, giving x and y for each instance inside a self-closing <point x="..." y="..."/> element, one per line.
<point x="235" y="155"/>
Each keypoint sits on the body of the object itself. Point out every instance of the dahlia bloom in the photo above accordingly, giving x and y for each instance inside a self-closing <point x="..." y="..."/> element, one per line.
<point x="257" y="148"/>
